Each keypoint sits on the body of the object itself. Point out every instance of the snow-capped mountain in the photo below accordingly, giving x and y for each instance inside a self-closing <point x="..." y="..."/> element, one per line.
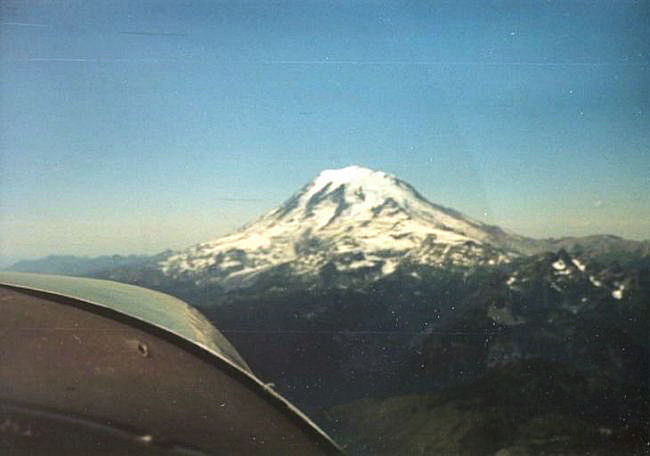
<point x="357" y="220"/>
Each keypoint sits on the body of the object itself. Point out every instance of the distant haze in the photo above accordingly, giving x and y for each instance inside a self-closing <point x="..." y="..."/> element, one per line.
<point x="137" y="126"/>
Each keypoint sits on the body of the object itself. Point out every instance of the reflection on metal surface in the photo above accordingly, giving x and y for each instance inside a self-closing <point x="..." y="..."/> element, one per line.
<point x="68" y="364"/>
<point x="153" y="307"/>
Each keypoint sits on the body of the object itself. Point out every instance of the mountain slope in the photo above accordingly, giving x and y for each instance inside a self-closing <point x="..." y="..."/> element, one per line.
<point x="352" y="220"/>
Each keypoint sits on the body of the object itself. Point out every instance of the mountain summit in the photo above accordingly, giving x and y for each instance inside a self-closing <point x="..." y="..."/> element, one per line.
<point x="352" y="220"/>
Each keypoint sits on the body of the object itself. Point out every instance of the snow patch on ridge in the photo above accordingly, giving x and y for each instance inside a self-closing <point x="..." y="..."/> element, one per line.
<point x="579" y="265"/>
<point x="559" y="265"/>
<point x="595" y="282"/>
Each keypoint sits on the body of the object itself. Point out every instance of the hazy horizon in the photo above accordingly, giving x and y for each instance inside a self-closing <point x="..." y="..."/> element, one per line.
<point x="137" y="126"/>
<point x="5" y="262"/>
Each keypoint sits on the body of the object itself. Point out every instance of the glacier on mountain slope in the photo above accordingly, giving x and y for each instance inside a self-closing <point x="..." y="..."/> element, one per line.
<point x="354" y="218"/>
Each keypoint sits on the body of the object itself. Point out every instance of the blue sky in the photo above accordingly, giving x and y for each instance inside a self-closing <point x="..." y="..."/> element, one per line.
<point x="133" y="126"/>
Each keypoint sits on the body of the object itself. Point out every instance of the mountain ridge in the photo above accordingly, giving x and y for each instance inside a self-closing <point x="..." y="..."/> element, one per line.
<point x="365" y="222"/>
